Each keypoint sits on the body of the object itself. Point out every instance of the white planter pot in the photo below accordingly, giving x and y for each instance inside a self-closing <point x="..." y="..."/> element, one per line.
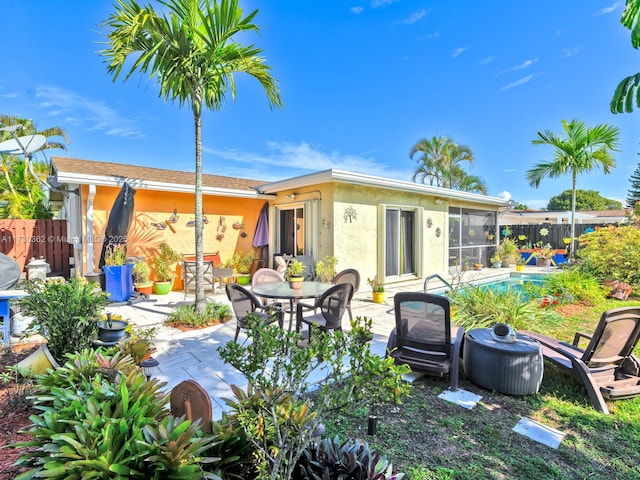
<point x="19" y="324"/>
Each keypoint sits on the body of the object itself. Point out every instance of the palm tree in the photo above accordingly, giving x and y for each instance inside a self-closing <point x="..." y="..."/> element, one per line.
<point x="439" y="164"/>
<point x="580" y="151"/>
<point x="190" y="50"/>
<point x="23" y="186"/>
<point x="627" y="90"/>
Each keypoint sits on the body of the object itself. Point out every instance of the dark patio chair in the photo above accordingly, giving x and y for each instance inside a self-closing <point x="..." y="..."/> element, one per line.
<point x="244" y="302"/>
<point x="351" y="276"/>
<point x="606" y="367"/>
<point x="309" y="266"/>
<point x="331" y="305"/>
<point x="422" y="337"/>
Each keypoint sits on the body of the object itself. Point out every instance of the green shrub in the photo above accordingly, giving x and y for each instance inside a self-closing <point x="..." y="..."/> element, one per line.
<point x="186" y="315"/>
<point x="481" y="307"/>
<point x="611" y="253"/>
<point x="292" y="389"/>
<point x="101" y="419"/>
<point x="65" y="313"/>
<point x="574" y="285"/>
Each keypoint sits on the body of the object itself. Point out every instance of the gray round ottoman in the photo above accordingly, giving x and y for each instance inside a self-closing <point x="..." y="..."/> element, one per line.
<point x="511" y="368"/>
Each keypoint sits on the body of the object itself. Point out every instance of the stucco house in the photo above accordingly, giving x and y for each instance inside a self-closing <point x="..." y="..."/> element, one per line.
<point x="387" y="228"/>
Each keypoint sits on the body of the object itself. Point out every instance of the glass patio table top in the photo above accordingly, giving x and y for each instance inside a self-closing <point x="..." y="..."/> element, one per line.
<point x="282" y="290"/>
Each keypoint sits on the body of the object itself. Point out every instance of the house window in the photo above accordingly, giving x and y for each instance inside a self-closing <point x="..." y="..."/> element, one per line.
<point x="471" y="236"/>
<point x="296" y="230"/>
<point x="400" y="242"/>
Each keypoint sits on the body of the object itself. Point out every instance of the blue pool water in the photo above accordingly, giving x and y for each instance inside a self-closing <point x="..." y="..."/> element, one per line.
<point x="516" y="281"/>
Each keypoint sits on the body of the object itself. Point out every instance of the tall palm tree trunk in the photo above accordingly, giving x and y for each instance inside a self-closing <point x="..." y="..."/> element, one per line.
<point x="200" y="299"/>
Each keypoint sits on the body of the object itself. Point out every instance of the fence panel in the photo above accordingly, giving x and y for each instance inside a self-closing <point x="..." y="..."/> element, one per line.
<point x="23" y="240"/>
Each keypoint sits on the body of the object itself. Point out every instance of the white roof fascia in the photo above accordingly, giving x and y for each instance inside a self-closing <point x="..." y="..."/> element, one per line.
<point x="113" y="181"/>
<point x="353" y="178"/>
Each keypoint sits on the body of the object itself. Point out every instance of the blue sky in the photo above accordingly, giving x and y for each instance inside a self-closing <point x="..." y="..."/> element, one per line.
<point x="361" y="82"/>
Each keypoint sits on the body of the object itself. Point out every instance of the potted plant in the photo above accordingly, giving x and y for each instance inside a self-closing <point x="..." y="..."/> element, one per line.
<point x="520" y="264"/>
<point x="164" y="264"/>
<point x="326" y="269"/>
<point x="64" y="313"/>
<point x="496" y="261"/>
<point x="241" y="263"/>
<point x="544" y="255"/>
<point x="477" y="266"/>
<point x="377" y="289"/>
<point x="141" y="277"/>
<point x="117" y="273"/>
<point x="295" y="273"/>
<point x="139" y="343"/>
<point x="508" y="252"/>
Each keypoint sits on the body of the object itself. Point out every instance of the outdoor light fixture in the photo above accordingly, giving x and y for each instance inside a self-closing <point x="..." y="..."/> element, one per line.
<point x="292" y="196"/>
<point x="148" y="365"/>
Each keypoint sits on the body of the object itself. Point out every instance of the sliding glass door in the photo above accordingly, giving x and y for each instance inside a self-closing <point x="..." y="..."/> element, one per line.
<point x="400" y="242"/>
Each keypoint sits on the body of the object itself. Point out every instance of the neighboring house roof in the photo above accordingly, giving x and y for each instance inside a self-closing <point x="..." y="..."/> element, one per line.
<point x="351" y="178"/>
<point x="523" y="217"/>
<point x="91" y="172"/>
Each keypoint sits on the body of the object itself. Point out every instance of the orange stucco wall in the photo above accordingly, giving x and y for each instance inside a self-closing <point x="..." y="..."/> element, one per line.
<point x="156" y="207"/>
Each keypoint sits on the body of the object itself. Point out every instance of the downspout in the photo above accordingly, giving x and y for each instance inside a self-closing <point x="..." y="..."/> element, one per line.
<point x="90" y="237"/>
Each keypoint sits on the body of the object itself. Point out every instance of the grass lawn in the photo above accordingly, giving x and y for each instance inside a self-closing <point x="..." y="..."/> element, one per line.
<point x="429" y="438"/>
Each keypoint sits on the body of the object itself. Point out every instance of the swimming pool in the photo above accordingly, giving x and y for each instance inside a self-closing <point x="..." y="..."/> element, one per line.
<point x="523" y="283"/>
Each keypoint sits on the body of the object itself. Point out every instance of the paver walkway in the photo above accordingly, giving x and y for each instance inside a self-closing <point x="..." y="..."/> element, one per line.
<point x="193" y="354"/>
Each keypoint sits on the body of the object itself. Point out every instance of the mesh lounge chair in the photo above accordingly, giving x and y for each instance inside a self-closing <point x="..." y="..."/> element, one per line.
<point x="422" y="337"/>
<point x="351" y="276"/>
<point x="606" y="367"/>
<point x="244" y="302"/>
<point x="332" y="305"/>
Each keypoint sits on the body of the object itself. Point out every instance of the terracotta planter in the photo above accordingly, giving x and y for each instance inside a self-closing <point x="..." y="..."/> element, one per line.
<point x="296" y="283"/>
<point x="543" y="262"/>
<point x="144" y="288"/>
<point x="378" y="297"/>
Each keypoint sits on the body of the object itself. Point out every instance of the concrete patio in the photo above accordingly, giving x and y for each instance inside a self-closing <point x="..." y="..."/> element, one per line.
<point x="193" y="354"/>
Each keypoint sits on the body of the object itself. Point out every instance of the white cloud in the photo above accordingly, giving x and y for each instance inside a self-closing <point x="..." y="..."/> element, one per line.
<point x="86" y="112"/>
<point x="357" y="10"/>
<point x="414" y="17"/>
<point x="569" y="52"/>
<point x="486" y="60"/>
<point x="517" y="83"/>
<point x="522" y="66"/>
<point x="293" y="159"/>
<point x="509" y="170"/>
<point x="609" y="9"/>
<point x="505" y="195"/>
<point x="459" y="51"/>
<point x="381" y="3"/>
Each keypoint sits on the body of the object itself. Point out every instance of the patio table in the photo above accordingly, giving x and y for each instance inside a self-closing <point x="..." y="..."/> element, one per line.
<point x="282" y="290"/>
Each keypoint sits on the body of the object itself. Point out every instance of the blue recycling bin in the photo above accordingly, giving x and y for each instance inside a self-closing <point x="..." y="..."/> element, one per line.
<point x="119" y="282"/>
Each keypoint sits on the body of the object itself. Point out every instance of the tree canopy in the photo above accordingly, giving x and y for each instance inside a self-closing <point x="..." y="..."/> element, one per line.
<point x="21" y="188"/>
<point x="580" y="150"/>
<point x="189" y="48"/>
<point x="585" y="200"/>
<point x="440" y="164"/>
<point x="627" y="92"/>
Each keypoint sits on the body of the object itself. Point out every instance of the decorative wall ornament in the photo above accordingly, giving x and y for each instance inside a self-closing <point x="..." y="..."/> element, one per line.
<point x="438" y="232"/>
<point x="350" y="215"/>
<point x="221" y="228"/>
<point x="429" y="222"/>
<point x="168" y="222"/>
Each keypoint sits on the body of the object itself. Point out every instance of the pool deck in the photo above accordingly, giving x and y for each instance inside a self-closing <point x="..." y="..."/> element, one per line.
<point x="193" y="354"/>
